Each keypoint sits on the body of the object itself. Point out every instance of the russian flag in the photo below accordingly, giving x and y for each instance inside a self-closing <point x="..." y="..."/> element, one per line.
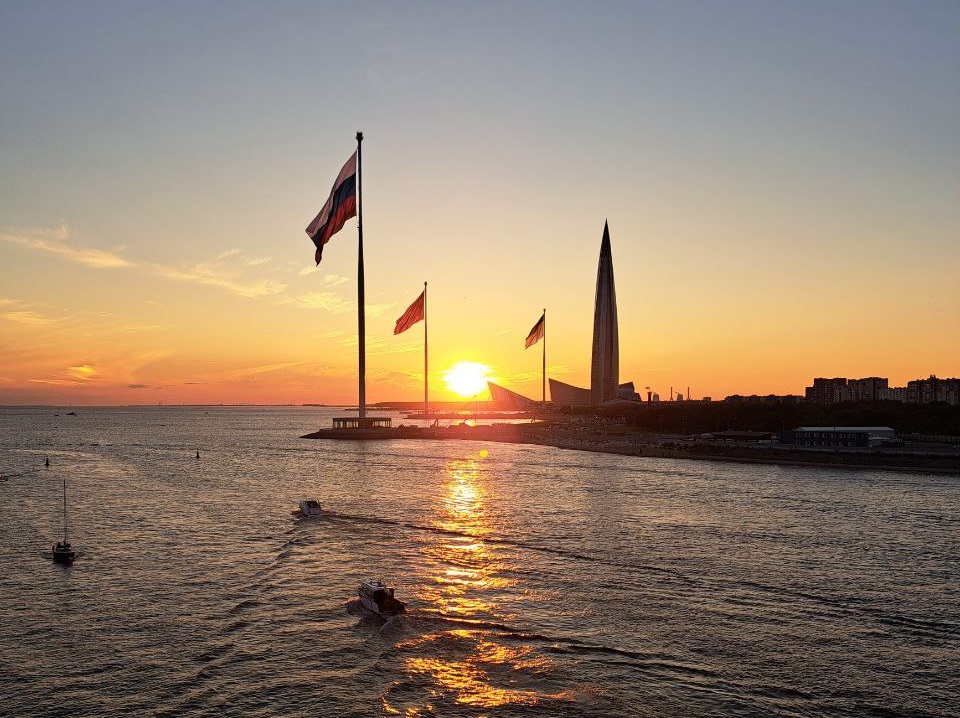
<point x="340" y="206"/>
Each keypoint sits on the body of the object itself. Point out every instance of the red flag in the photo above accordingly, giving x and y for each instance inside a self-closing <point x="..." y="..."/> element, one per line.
<point x="341" y="205"/>
<point x="536" y="334"/>
<point x="410" y="317"/>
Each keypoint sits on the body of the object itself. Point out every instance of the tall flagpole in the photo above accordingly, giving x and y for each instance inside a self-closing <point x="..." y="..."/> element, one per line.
<point x="426" y="404"/>
<point x="361" y="308"/>
<point x="543" y="384"/>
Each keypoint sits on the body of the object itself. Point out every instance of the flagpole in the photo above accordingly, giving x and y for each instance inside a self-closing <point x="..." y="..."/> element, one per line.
<point x="543" y="384"/>
<point x="426" y="404"/>
<point x="361" y="308"/>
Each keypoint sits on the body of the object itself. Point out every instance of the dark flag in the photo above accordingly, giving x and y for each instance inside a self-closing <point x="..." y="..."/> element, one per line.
<point x="536" y="334"/>
<point x="410" y="317"/>
<point x="340" y="206"/>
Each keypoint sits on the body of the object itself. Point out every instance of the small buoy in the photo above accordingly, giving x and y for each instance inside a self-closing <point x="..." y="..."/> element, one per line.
<point x="46" y="462"/>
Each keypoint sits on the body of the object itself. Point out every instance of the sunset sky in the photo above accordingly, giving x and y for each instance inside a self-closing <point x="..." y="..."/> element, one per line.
<point x="781" y="179"/>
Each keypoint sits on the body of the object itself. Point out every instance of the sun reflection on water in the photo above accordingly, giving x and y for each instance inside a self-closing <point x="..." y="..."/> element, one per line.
<point x="464" y="566"/>
<point x="486" y="674"/>
<point x="472" y="666"/>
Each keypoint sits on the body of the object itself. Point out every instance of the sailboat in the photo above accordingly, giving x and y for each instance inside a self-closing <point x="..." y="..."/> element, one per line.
<point x="63" y="552"/>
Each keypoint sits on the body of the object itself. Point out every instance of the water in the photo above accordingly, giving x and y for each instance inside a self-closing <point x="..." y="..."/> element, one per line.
<point x="540" y="581"/>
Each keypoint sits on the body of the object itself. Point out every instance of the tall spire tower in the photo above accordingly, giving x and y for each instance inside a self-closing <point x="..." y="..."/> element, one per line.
<point x="605" y="364"/>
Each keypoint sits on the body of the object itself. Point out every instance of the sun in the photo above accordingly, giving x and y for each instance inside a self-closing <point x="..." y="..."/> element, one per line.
<point x="467" y="378"/>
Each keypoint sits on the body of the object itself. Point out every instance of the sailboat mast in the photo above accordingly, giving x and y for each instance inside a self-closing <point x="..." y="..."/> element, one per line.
<point x="361" y="308"/>
<point x="64" y="509"/>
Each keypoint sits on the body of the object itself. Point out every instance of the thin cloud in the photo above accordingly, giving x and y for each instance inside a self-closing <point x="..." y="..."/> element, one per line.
<point x="521" y="377"/>
<point x="375" y="310"/>
<point x="328" y="301"/>
<point x="212" y="275"/>
<point x="57" y="243"/>
<point x="54" y="382"/>
<point x="21" y="313"/>
<point x="247" y="372"/>
<point x="387" y="350"/>
<point x="525" y="377"/>
<point x="403" y="378"/>
<point x="224" y="271"/>
<point x="334" y="280"/>
<point x="128" y="368"/>
<point x="26" y="317"/>
<point x="71" y="376"/>
<point x="84" y="372"/>
<point x="375" y="345"/>
<point x="145" y="327"/>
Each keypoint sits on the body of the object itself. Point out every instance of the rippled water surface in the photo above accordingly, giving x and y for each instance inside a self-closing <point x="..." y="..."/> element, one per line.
<point x="540" y="581"/>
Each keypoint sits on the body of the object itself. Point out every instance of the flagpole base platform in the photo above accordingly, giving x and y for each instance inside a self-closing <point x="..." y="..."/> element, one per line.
<point x="361" y="423"/>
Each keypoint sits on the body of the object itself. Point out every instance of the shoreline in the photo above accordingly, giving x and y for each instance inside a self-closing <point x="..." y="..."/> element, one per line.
<point x="645" y="446"/>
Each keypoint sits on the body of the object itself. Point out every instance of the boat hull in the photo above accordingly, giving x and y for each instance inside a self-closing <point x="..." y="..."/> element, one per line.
<point x="379" y="599"/>
<point x="64" y="554"/>
<point x="370" y="605"/>
<point x="312" y="515"/>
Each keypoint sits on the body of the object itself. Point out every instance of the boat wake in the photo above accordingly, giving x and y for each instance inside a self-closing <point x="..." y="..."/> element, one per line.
<point x="5" y="475"/>
<point x="931" y="630"/>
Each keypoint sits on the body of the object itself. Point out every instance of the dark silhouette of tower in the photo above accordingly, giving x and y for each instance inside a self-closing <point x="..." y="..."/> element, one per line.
<point x="605" y="364"/>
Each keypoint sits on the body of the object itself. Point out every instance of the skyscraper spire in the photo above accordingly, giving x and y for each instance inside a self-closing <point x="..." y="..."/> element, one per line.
<point x="605" y="363"/>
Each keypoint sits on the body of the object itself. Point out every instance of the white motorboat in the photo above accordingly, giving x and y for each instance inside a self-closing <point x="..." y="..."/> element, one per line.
<point x="377" y="597"/>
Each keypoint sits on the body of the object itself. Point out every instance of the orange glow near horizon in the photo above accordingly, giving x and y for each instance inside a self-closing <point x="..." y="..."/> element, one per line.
<point x="234" y="327"/>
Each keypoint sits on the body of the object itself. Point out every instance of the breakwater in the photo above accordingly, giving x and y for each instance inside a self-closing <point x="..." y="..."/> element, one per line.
<point x="600" y="440"/>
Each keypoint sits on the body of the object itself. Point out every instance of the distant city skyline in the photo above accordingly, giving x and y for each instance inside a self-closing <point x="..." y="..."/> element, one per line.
<point x="780" y="180"/>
